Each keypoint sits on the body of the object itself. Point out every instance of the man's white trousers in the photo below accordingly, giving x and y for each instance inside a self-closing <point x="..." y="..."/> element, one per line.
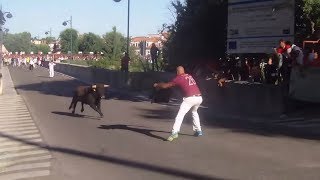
<point x="188" y="103"/>
<point x="51" y="72"/>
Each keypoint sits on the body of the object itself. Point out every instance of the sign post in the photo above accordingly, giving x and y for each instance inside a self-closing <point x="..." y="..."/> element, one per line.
<point x="256" y="26"/>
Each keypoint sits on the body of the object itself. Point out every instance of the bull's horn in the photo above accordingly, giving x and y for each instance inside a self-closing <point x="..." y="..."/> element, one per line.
<point x="106" y="85"/>
<point x="94" y="86"/>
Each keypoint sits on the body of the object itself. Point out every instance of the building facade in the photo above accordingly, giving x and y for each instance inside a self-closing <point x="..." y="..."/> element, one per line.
<point x="142" y="44"/>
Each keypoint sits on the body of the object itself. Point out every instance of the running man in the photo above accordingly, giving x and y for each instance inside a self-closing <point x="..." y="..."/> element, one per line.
<point x="192" y="100"/>
<point x="31" y="63"/>
<point x="51" y="69"/>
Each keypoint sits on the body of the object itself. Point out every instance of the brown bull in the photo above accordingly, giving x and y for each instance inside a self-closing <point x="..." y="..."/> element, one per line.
<point x="90" y="95"/>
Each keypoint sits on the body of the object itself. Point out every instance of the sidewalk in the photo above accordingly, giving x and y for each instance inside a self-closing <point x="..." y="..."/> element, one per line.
<point x="20" y="153"/>
<point x="8" y="87"/>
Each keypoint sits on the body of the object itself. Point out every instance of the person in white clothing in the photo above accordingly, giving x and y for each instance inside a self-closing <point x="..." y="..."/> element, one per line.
<point x="39" y="62"/>
<point x="31" y="63"/>
<point x="24" y="61"/>
<point x="19" y="62"/>
<point x="51" y="69"/>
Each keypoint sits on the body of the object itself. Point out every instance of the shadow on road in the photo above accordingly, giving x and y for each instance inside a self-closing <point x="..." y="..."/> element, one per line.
<point x="127" y="96"/>
<point x="164" y="113"/>
<point x="75" y="115"/>
<point x="262" y="128"/>
<point x="147" y="132"/>
<point x="117" y="161"/>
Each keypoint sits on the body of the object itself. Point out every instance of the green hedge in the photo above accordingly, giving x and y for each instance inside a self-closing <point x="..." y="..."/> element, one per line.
<point x="136" y="65"/>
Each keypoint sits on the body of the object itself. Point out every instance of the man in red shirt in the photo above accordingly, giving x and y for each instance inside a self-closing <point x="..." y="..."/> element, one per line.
<point x="192" y="100"/>
<point x="284" y="61"/>
<point x="283" y="47"/>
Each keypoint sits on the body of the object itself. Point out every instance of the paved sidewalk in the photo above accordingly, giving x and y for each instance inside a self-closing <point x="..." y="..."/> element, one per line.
<point x="21" y="152"/>
<point x="8" y="87"/>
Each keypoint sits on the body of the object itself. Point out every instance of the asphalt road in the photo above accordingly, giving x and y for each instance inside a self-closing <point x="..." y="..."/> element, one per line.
<point x="128" y="143"/>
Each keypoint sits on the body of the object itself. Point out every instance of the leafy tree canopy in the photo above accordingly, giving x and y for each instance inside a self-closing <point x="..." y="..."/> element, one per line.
<point x="20" y="42"/>
<point x="90" y="43"/>
<point x="65" y="40"/>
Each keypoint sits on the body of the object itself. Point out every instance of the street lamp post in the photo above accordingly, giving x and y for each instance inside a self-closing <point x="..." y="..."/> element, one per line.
<point x="71" y="43"/>
<point x="49" y="32"/>
<point x="128" y="25"/>
<point x="3" y="16"/>
<point x="50" y="40"/>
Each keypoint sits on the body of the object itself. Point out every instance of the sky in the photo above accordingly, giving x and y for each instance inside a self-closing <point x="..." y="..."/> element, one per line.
<point x="97" y="16"/>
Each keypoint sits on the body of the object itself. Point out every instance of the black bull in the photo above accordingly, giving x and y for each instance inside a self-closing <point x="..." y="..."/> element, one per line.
<point x="88" y="95"/>
<point x="160" y="95"/>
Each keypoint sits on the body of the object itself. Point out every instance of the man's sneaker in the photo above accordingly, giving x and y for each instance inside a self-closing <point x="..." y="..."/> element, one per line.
<point x="198" y="133"/>
<point x="172" y="137"/>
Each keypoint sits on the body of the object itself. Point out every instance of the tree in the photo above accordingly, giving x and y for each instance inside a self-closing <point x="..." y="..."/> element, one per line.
<point x="311" y="9"/>
<point x="90" y="43"/>
<point x="303" y="28"/>
<point x="44" y="48"/>
<point x="198" y="33"/>
<point x="114" y="44"/>
<point x="20" y="42"/>
<point x="49" y="40"/>
<point x="65" y="38"/>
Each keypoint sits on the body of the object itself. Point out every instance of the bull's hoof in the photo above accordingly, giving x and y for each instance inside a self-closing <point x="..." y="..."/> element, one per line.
<point x="101" y="115"/>
<point x="73" y="112"/>
<point x="82" y="110"/>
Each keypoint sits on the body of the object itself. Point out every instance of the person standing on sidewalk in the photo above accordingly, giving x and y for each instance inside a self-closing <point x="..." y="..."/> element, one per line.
<point x="154" y="51"/>
<point x="125" y="63"/>
<point x="192" y="100"/>
<point x="125" y="60"/>
<point x="51" y="69"/>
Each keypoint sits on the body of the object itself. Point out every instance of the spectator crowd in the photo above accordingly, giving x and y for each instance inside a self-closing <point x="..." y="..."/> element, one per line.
<point x="273" y="69"/>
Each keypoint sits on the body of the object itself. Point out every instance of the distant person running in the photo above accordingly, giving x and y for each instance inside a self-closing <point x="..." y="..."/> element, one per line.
<point x="31" y="63"/>
<point x="38" y="61"/>
<point x="192" y="100"/>
<point x="51" y="69"/>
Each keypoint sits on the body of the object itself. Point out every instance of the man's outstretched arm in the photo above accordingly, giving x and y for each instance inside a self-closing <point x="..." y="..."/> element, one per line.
<point x="164" y="85"/>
